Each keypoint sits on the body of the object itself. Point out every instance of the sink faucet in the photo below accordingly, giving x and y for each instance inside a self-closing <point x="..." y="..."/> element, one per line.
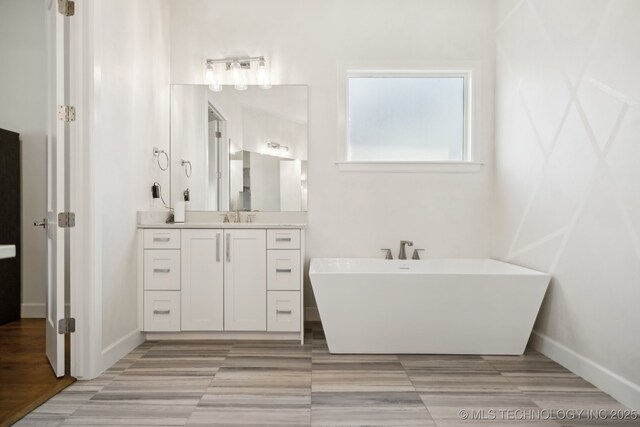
<point x="403" y="254"/>
<point x="236" y="216"/>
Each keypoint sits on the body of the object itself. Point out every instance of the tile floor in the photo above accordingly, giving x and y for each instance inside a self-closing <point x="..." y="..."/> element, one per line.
<point x="234" y="383"/>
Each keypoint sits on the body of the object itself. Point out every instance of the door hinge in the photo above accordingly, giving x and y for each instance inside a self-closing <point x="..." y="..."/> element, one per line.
<point x="66" y="113"/>
<point x="67" y="325"/>
<point x="66" y="7"/>
<point x="218" y="134"/>
<point x="66" y="219"/>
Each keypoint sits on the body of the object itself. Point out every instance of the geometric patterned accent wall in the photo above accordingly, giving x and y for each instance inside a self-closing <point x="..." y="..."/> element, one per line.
<point x="567" y="177"/>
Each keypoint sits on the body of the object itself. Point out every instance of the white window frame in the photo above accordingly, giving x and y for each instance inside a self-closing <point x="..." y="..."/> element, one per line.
<point x="470" y="71"/>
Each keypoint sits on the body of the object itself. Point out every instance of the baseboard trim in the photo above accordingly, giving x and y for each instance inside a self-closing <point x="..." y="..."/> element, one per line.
<point x="224" y="335"/>
<point x="311" y="314"/>
<point x="621" y="389"/>
<point x="33" y="310"/>
<point x="116" y="351"/>
<point x="30" y="310"/>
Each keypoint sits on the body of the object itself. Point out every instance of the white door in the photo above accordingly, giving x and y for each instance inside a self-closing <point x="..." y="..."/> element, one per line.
<point x="245" y="280"/>
<point x="202" y="287"/>
<point x="56" y="142"/>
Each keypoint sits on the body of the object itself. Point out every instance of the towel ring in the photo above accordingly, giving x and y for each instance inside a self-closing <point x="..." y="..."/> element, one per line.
<point x="157" y="153"/>
<point x="187" y="167"/>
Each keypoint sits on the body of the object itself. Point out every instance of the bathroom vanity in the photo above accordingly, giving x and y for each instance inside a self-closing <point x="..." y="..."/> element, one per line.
<point x="241" y="151"/>
<point x="221" y="280"/>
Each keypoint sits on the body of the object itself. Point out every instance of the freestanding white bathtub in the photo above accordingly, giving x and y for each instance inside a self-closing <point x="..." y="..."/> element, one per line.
<point x="433" y="306"/>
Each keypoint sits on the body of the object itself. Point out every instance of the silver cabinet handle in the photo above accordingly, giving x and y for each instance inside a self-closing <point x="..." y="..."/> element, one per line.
<point x="283" y="270"/>
<point x="161" y="270"/>
<point x="228" y="247"/>
<point x="283" y="311"/>
<point x="283" y="239"/>
<point x="217" y="247"/>
<point x="161" y="239"/>
<point x="161" y="311"/>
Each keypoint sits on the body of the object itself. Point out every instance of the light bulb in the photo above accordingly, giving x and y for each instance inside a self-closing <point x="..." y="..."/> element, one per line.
<point x="263" y="74"/>
<point x="239" y="78"/>
<point x="212" y="79"/>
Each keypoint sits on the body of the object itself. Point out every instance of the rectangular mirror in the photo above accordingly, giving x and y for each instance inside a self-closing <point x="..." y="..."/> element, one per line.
<point x="244" y="150"/>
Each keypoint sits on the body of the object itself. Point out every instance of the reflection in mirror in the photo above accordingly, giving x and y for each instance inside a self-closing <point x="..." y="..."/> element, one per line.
<point x="244" y="150"/>
<point x="263" y="182"/>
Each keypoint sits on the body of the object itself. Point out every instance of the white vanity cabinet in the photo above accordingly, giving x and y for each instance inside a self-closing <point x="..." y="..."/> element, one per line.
<point x="202" y="279"/>
<point x="228" y="282"/>
<point x="245" y="280"/>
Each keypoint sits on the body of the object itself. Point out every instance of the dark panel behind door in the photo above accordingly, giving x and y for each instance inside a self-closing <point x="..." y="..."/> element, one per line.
<point x="10" y="225"/>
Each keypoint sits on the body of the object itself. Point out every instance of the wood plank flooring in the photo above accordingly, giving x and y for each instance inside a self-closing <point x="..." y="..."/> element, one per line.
<point x="239" y="383"/>
<point x="26" y="378"/>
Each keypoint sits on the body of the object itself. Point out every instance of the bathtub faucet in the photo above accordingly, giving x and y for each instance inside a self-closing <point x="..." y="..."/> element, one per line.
<point x="403" y="253"/>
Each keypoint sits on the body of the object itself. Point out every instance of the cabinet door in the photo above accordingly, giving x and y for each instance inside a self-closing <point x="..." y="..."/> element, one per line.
<point x="202" y="293"/>
<point x="245" y="280"/>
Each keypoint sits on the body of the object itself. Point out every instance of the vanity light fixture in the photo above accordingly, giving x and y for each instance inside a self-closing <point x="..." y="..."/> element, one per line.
<point x="238" y="68"/>
<point x="239" y="76"/>
<point x="277" y="146"/>
<point x="212" y="78"/>
<point x="263" y="74"/>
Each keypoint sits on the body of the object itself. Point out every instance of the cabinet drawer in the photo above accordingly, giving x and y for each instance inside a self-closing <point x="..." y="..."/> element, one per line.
<point x="283" y="270"/>
<point x="161" y="239"/>
<point x="283" y="239"/>
<point x="161" y="270"/>
<point x="283" y="311"/>
<point x="162" y="311"/>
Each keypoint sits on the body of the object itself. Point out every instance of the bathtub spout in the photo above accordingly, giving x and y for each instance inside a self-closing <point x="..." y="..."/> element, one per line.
<point x="403" y="253"/>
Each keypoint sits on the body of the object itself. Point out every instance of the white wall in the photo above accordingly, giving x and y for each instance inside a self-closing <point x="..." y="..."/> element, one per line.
<point x="568" y="177"/>
<point x="22" y="110"/>
<point x="131" y="110"/>
<point x="190" y="136"/>
<point x="447" y="214"/>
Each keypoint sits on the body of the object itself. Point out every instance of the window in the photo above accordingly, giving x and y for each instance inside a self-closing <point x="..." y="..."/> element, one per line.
<point x="407" y="117"/>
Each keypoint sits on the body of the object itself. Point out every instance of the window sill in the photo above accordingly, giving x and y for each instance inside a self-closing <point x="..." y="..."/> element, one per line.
<point x="445" y="167"/>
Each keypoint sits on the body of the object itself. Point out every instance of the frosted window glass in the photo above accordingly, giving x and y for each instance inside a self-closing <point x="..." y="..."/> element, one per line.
<point x="406" y="119"/>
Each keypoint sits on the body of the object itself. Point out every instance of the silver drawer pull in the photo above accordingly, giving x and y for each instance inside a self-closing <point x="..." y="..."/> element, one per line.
<point x="161" y="311"/>
<point x="283" y="239"/>
<point x="283" y="311"/>
<point x="161" y="239"/>
<point x="161" y="270"/>
<point x="283" y="270"/>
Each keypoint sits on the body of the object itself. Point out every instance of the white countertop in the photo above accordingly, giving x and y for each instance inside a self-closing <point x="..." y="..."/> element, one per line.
<point x="7" y="251"/>
<point x="223" y="225"/>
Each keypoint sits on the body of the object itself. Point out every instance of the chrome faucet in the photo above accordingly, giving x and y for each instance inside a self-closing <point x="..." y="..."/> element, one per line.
<point x="403" y="253"/>
<point x="236" y="216"/>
